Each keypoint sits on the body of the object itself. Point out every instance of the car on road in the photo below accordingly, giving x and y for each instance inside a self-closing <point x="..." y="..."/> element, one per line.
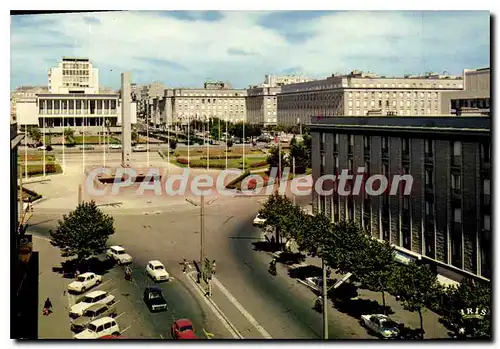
<point x="115" y="146"/>
<point x="94" y="297"/>
<point x="183" y="329"/>
<point x="156" y="270"/>
<point x="381" y="325"/>
<point x="119" y="254"/>
<point x="87" y="147"/>
<point x="93" y="313"/>
<point x="139" y="148"/>
<point x="259" y="221"/>
<point x="99" y="328"/>
<point x="154" y="299"/>
<point x="84" y="282"/>
<point x="45" y="147"/>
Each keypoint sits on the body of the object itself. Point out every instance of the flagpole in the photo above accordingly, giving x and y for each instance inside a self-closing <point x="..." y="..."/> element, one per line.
<point x="147" y="141"/>
<point x="208" y="148"/>
<point x="189" y="126"/>
<point x="26" y="152"/>
<point x="44" y="145"/>
<point x="83" y="157"/>
<point x="244" y="146"/>
<point x="63" y="145"/>
<point x="168" y="150"/>
<point x="225" y="114"/>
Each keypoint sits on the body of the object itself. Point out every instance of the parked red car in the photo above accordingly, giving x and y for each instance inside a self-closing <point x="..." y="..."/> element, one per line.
<point x="183" y="329"/>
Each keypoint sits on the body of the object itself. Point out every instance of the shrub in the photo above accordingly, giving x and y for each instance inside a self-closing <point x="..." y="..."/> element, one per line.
<point x="183" y="161"/>
<point x="234" y="182"/>
<point x="221" y="157"/>
<point x="259" y="164"/>
<point x="252" y="183"/>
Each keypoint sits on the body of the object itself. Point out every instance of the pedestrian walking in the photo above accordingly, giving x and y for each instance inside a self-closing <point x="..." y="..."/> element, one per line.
<point x="47" y="307"/>
<point x="185" y="265"/>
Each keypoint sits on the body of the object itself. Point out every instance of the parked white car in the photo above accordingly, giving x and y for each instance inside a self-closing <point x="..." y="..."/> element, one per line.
<point x="156" y="270"/>
<point x="91" y="298"/>
<point x="106" y="326"/>
<point x="380" y="324"/>
<point x="139" y="148"/>
<point x="115" y="146"/>
<point x="119" y="254"/>
<point x="84" y="282"/>
<point x="259" y="221"/>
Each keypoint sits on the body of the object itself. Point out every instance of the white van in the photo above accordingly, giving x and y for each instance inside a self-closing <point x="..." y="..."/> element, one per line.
<point x="105" y="326"/>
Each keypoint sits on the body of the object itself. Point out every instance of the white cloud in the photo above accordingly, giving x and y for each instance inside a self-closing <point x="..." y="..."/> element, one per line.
<point x="384" y="42"/>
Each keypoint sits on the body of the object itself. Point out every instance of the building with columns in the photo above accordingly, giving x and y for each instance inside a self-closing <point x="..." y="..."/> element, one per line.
<point x="362" y="94"/>
<point x="446" y="219"/>
<point x="73" y="100"/>
<point x="88" y="113"/>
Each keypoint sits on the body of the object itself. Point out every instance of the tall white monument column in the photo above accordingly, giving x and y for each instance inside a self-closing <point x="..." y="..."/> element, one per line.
<point x="126" y="120"/>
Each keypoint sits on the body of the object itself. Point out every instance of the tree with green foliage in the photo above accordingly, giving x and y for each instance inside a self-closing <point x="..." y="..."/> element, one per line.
<point x="134" y="136"/>
<point x="462" y="304"/>
<point x="307" y="141"/>
<point x="274" y="157"/>
<point x="299" y="152"/>
<point x="83" y="233"/>
<point x="35" y="134"/>
<point x="417" y="287"/>
<point x="376" y="271"/>
<point x="69" y="137"/>
<point x="276" y="212"/>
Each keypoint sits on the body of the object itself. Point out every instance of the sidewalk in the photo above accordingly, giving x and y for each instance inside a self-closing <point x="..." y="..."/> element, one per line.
<point x="433" y="328"/>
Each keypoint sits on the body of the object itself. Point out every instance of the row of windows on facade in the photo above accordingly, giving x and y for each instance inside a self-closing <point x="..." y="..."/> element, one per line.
<point x="455" y="243"/>
<point x="76" y="104"/>
<point x="372" y="95"/>
<point x="76" y="72"/>
<point x="77" y="122"/>
<point x="76" y="65"/>
<point x="482" y="103"/>
<point x="381" y="103"/>
<point x="76" y="78"/>
<point x="211" y="94"/>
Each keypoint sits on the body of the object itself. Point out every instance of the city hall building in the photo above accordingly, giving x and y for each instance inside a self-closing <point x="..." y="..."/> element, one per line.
<point x="73" y="100"/>
<point x="446" y="219"/>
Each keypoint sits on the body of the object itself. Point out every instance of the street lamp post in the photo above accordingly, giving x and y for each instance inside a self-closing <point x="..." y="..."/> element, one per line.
<point x="202" y="224"/>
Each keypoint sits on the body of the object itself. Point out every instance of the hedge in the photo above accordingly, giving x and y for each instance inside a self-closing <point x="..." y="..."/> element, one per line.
<point x="34" y="170"/>
<point x="232" y="184"/>
<point x="259" y="164"/>
<point x="221" y="157"/>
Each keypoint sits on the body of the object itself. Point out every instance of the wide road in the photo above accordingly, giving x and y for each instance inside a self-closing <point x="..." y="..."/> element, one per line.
<point x="181" y="296"/>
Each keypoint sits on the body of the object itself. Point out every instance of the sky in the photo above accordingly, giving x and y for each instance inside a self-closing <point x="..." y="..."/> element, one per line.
<point x="186" y="48"/>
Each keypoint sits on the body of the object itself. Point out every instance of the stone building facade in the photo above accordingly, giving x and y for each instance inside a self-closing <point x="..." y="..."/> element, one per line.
<point x="261" y="104"/>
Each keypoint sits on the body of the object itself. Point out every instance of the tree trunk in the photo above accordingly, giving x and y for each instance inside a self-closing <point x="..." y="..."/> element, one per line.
<point x="421" y="322"/>
<point x="278" y="237"/>
<point x="383" y="301"/>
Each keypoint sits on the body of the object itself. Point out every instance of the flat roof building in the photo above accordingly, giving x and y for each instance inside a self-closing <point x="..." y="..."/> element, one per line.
<point x="261" y="104"/>
<point x="446" y="218"/>
<point x="474" y="99"/>
<point x="74" y="75"/>
<point x="361" y="94"/>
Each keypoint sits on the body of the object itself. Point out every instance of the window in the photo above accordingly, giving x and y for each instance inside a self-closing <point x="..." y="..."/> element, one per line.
<point x="457" y="148"/>
<point x="350" y="164"/>
<point x="336" y="158"/>
<point x="406" y="203"/>
<point x="429" y="147"/>
<point x="405" y="145"/>
<point x="380" y="103"/>
<point x="428" y="179"/>
<point x="486" y="152"/>
<point x="429" y="208"/>
<point x="366" y="142"/>
<point x="455" y="182"/>
<point x="457" y="215"/>
<point x="385" y="170"/>
<point x="486" y="187"/>
<point x="487" y="222"/>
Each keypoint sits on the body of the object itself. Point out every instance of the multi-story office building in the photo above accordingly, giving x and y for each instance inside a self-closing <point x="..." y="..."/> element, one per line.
<point x="74" y="75"/>
<point x="24" y="92"/>
<point x="474" y="99"/>
<point x="446" y="219"/>
<point x="145" y="95"/>
<point x="277" y="80"/>
<point x="361" y="94"/>
<point x="261" y="104"/>
<point x="215" y="100"/>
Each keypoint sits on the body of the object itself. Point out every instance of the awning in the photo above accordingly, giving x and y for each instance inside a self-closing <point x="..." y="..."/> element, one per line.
<point x="403" y="258"/>
<point x="443" y="280"/>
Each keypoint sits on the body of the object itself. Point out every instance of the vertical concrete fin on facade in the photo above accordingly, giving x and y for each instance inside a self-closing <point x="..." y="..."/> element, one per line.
<point x="417" y="196"/>
<point x="469" y="189"/>
<point x="376" y="168"/>
<point x="358" y="161"/>
<point x="442" y="179"/>
<point x="343" y="164"/>
<point x="329" y="140"/>
<point x="316" y="164"/>
<point x="395" y="169"/>
<point x="126" y="122"/>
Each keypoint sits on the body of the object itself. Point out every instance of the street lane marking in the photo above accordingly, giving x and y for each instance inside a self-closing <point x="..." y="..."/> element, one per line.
<point x="215" y="309"/>
<point x="242" y="310"/>
<point x="126" y="329"/>
<point x="116" y="317"/>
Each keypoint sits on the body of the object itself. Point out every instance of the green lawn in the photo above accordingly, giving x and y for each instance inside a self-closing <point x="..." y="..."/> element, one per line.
<point x="79" y="140"/>
<point x="35" y="165"/>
